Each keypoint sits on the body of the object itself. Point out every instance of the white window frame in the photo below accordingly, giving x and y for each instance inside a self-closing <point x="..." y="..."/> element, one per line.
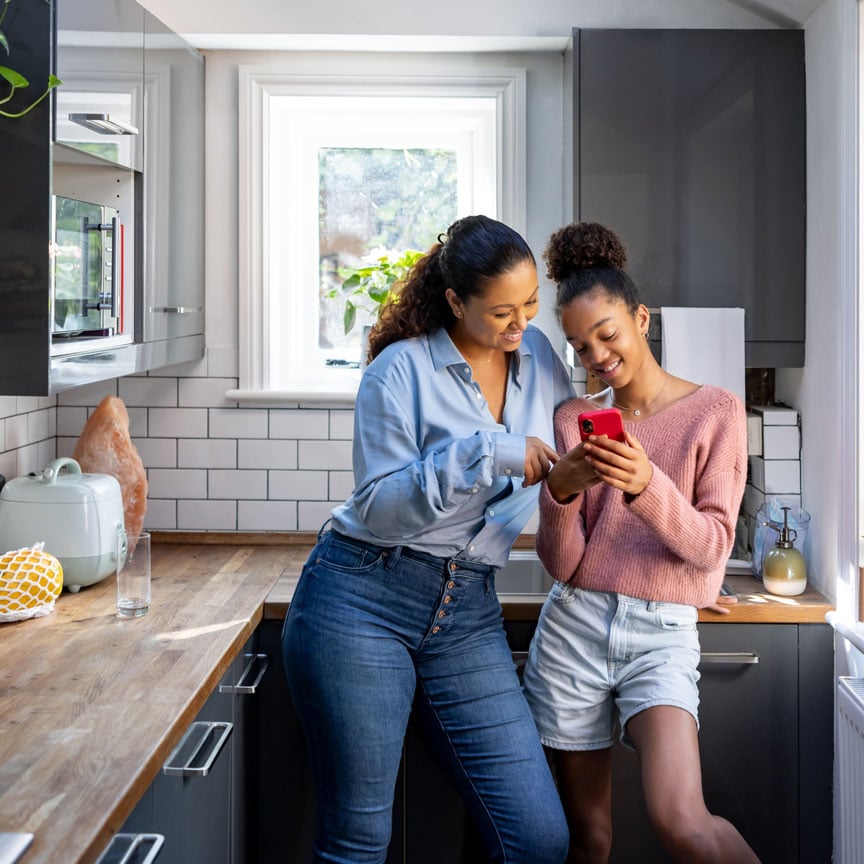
<point x="258" y="85"/>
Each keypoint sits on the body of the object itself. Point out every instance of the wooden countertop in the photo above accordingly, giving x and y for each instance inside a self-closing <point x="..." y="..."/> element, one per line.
<point x="754" y="604"/>
<point x="91" y="706"/>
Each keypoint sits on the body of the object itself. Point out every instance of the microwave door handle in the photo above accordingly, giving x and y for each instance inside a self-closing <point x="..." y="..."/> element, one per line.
<point x="115" y="256"/>
<point x="85" y="265"/>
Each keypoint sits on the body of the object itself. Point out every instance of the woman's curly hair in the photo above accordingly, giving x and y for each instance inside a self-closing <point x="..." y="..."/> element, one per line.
<point x="585" y="256"/>
<point x="475" y="250"/>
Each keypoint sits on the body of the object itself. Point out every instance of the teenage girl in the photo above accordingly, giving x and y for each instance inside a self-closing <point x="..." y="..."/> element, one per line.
<point x="637" y="535"/>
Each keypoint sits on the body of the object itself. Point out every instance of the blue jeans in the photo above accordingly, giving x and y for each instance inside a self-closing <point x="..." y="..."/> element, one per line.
<point x="367" y="631"/>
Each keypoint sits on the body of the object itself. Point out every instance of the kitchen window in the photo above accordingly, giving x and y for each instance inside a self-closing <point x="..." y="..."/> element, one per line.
<point x="338" y="170"/>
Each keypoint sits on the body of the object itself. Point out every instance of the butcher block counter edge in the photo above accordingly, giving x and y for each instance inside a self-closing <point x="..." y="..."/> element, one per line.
<point x="91" y="706"/>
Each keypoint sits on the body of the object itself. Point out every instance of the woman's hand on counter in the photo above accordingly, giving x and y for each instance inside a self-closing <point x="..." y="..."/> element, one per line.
<point x="720" y="604"/>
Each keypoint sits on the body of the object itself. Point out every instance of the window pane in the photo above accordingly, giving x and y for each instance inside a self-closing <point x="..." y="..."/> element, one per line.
<point x="374" y="202"/>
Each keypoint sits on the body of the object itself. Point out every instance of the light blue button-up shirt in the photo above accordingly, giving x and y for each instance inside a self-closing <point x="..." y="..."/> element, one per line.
<point x="432" y="468"/>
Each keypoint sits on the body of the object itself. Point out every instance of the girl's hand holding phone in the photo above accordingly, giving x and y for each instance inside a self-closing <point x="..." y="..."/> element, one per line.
<point x="624" y="466"/>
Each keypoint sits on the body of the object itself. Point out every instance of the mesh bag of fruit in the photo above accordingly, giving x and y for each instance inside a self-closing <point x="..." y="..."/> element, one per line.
<point x="30" y="582"/>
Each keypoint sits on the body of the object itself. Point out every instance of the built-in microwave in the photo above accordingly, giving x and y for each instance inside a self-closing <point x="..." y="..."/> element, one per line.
<point x="88" y="267"/>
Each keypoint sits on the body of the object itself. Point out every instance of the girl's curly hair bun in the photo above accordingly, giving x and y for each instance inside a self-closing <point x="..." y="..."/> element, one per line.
<point x="582" y="244"/>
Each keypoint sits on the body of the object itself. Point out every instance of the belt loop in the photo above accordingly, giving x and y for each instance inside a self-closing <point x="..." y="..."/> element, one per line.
<point x="392" y="556"/>
<point x="324" y="529"/>
<point x="652" y="606"/>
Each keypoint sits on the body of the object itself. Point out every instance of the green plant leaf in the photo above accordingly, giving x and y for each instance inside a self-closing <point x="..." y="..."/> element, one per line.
<point x="4" y="42"/>
<point x="350" y="316"/>
<point x="16" y="79"/>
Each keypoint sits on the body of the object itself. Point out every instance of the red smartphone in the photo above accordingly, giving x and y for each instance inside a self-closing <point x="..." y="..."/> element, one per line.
<point x="607" y="422"/>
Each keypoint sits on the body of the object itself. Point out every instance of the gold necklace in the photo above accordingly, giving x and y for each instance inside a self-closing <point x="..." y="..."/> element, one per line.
<point x="478" y="362"/>
<point x="637" y="412"/>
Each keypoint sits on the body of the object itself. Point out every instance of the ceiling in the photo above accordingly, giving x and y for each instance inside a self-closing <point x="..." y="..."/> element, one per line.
<point x="450" y="25"/>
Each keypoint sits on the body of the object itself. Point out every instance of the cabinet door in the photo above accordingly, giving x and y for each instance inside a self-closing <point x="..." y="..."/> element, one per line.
<point x="748" y="741"/>
<point x="194" y="812"/>
<point x="691" y="145"/>
<point x="173" y="264"/>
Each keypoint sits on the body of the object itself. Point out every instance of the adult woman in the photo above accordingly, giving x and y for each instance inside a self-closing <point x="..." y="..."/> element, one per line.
<point x="637" y="535"/>
<point x="396" y="602"/>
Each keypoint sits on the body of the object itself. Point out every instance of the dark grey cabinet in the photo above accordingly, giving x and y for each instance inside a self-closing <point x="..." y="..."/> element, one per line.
<point x="122" y="135"/>
<point x="691" y="145"/>
<point x="204" y="801"/>
<point x="765" y="742"/>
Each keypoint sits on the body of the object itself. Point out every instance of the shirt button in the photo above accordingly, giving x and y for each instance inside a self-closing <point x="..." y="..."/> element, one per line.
<point x="474" y="491"/>
<point x="471" y="548"/>
<point x="467" y="370"/>
<point x="479" y="395"/>
<point x="491" y="512"/>
<point x="508" y="471"/>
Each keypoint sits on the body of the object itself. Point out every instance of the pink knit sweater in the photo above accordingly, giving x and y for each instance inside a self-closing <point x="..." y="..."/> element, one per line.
<point x="672" y="541"/>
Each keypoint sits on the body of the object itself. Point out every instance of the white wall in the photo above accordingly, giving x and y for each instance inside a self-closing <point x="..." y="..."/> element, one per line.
<point x="824" y="391"/>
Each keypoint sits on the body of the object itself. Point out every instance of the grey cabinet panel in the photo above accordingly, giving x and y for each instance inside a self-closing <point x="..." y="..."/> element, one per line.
<point x="691" y="145"/>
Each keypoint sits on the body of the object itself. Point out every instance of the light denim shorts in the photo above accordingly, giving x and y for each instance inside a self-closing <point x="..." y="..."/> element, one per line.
<point x="597" y="659"/>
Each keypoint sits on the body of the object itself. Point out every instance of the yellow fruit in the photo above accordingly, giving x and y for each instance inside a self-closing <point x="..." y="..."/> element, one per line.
<point x="30" y="582"/>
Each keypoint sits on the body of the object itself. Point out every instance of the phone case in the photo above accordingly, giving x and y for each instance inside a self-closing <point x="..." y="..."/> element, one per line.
<point x="607" y="422"/>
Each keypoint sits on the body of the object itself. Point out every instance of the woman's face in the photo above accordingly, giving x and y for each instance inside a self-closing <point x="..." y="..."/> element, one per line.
<point x="608" y="338"/>
<point x="498" y="318"/>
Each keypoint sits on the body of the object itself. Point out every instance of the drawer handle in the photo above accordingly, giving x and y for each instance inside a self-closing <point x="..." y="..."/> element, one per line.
<point x="198" y="762"/>
<point x="136" y="842"/>
<point x="261" y="661"/>
<point x="733" y="658"/>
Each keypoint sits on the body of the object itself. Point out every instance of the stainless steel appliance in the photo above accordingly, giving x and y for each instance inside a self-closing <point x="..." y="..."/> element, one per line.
<point x="87" y="278"/>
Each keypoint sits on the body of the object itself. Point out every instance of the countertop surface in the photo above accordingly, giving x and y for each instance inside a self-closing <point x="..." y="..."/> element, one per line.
<point x="91" y="706"/>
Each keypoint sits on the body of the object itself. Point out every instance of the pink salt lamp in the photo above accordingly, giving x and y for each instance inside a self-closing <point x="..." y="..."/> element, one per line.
<point x="105" y="447"/>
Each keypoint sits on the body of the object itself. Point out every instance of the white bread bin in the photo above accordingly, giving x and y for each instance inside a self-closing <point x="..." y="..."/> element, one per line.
<point x="79" y="516"/>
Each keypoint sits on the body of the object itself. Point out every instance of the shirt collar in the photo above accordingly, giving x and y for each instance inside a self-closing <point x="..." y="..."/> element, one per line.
<point x="444" y="353"/>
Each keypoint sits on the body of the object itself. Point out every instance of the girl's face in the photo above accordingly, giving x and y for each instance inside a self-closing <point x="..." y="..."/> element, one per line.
<point x="498" y="318"/>
<point x="608" y="338"/>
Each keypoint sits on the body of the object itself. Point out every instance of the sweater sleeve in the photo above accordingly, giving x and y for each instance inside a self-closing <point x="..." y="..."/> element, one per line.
<point x="560" y="536"/>
<point x="701" y="532"/>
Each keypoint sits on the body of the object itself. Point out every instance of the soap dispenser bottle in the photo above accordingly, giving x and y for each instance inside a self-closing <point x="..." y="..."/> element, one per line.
<point x="783" y="569"/>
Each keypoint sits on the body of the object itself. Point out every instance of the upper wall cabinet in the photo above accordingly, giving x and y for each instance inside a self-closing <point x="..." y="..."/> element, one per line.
<point x="88" y="249"/>
<point x="691" y="145"/>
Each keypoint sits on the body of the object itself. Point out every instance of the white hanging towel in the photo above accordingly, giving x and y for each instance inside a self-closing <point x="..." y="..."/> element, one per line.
<point x="704" y="345"/>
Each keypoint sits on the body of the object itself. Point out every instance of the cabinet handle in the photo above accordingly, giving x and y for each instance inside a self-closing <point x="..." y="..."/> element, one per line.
<point x="136" y="842"/>
<point x="177" y="310"/>
<point x="262" y="661"/>
<point x="734" y="658"/>
<point x="198" y="763"/>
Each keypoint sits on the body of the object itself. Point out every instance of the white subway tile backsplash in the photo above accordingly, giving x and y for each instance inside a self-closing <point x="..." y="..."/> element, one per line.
<point x="8" y="465"/>
<point x="237" y="484"/>
<point x="46" y="452"/>
<point x="238" y="423"/>
<point x="278" y="455"/>
<point x="209" y="453"/>
<point x="66" y="446"/>
<point x="222" y="361"/>
<point x="138" y="422"/>
<point x="299" y="423"/>
<point x="8" y="406"/>
<point x="28" y="460"/>
<point x="776" y="476"/>
<point x="311" y="515"/>
<point x="177" y="483"/>
<point x="333" y="455"/>
<point x="161" y="514"/>
<point x="297" y="485"/>
<point x="37" y="426"/>
<point x="177" y="422"/>
<point x="26" y="404"/>
<point x="71" y="420"/>
<point x="2" y="438"/>
<point x="90" y="395"/>
<point x="207" y="515"/>
<point x="158" y="452"/>
<point x="753" y="499"/>
<point x="776" y="415"/>
<point x="341" y="425"/>
<point x="266" y="515"/>
<point x="16" y="431"/>
<point x="781" y="442"/>
<point x="206" y="392"/>
<point x="341" y="484"/>
<point x="148" y="392"/>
